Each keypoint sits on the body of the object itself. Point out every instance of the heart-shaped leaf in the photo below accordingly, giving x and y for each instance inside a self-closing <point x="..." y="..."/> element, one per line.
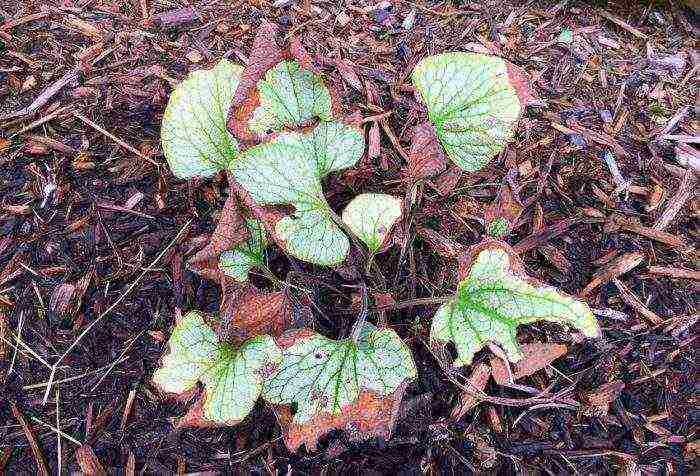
<point x="494" y="297"/>
<point x="371" y="216"/>
<point x="472" y="101"/>
<point x="232" y="377"/>
<point x="194" y="137"/>
<point x="325" y="376"/>
<point x="288" y="171"/>
<point x="237" y="262"/>
<point x="289" y="96"/>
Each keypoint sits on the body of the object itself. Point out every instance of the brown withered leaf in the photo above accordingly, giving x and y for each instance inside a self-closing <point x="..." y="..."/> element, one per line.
<point x="519" y="80"/>
<point x="538" y="355"/>
<point x="230" y="231"/>
<point x="426" y="155"/>
<point x="246" y="312"/>
<point x="372" y="415"/>
<point x="505" y="207"/>
<point x="476" y="382"/>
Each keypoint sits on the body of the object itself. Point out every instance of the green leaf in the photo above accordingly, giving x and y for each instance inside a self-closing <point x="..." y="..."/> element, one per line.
<point x="472" y="104"/>
<point x="498" y="227"/>
<point x="238" y="261"/>
<point x="321" y="375"/>
<point x="495" y="298"/>
<point x="370" y="217"/>
<point x="196" y="142"/>
<point x="289" y="96"/>
<point x="232" y="377"/>
<point x="288" y="171"/>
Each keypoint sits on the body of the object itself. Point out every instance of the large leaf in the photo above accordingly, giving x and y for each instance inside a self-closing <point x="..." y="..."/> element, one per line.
<point x="195" y="140"/>
<point x="288" y="171"/>
<point x="237" y="262"/>
<point x="289" y="96"/>
<point x="232" y="377"/>
<point x="324" y="376"/>
<point x="494" y="297"/>
<point x="472" y="101"/>
<point x="370" y="216"/>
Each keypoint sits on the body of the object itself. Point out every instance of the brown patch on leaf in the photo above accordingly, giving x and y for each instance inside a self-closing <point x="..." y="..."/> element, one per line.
<point x="230" y="231"/>
<point x="426" y="156"/>
<point x="372" y="415"/>
<point x="195" y="416"/>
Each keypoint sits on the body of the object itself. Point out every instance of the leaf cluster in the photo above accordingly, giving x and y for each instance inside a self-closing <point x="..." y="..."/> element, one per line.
<point x="276" y="129"/>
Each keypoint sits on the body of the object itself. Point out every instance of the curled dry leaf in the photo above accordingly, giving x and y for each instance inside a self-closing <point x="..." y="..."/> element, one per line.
<point x="468" y="398"/>
<point x="248" y="312"/>
<point x="474" y="102"/>
<point x="495" y="296"/>
<point x="229" y="232"/>
<point x="426" y="155"/>
<point x="537" y="355"/>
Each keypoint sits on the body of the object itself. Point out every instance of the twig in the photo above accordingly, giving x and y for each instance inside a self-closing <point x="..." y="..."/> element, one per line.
<point x="114" y="138"/>
<point x="44" y="97"/>
<point x="49" y="384"/>
<point x="42" y="467"/>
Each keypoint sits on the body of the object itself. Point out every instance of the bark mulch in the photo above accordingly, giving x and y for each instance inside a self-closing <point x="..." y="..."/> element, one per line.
<point x="95" y="233"/>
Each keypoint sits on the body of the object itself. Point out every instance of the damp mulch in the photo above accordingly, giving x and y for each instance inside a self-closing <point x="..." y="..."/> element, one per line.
<point x="95" y="234"/>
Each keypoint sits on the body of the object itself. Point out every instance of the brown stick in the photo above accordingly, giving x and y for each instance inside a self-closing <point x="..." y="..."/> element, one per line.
<point x="42" y="467"/>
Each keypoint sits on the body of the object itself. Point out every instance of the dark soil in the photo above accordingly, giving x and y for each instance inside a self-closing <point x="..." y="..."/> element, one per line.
<point x="83" y="220"/>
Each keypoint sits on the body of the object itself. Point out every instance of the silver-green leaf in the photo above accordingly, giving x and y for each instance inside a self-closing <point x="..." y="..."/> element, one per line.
<point x="232" y="377"/>
<point x="195" y="140"/>
<point x="471" y="102"/>
<point x="494" y="298"/>
<point x="322" y="376"/>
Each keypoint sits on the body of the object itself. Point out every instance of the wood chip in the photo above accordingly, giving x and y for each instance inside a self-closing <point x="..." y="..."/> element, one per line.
<point x="617" y="267"/>
<point x="675" y="272"/>
<point x="88" y="462"/>
<point x="635" y="303"/>
<point x="652" y="233"/>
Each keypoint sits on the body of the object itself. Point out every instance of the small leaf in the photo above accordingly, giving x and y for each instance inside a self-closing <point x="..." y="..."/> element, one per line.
<point x="289" y="96"/>
<point x="232" y="377"/>
<point x="229" y="233"/>
<point x="494" y="297"/>
<point x="195" y="140"/>
<point x="237" y="262"/>
<point x="288" y="171"/>
<point x="371" y="216"/>
<point x="472" y="102"/>
<point x="502" y="215"/>
<point x="324" y="376"/>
